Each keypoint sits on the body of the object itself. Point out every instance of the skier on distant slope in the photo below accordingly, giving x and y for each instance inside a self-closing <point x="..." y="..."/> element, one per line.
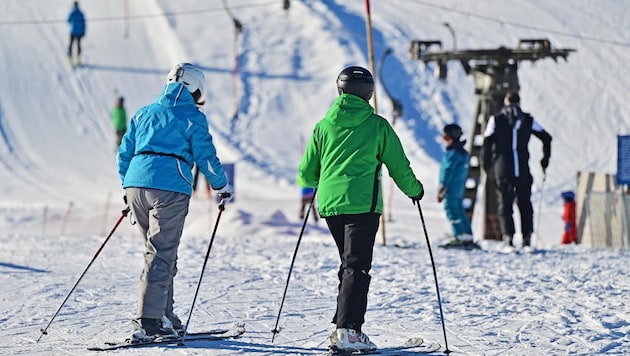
<point x="505" y="153"/>
<point x="155" y="159"/>
<point x="119" y="119"/>
<point x="343" y="160"/>
<point x="77" y="31"/>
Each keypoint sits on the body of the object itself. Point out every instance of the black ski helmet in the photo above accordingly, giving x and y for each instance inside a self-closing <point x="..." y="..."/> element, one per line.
<point x="356" y="81"/>
<point x="453" y="131"/>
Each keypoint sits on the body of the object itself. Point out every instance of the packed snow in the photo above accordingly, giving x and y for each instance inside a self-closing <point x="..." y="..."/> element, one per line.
<point x="61" y="194"/>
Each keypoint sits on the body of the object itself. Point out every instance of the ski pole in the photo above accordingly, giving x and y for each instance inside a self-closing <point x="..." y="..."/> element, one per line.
<point x="205" y="261"/>
<point x="542" y="188"/>
<point x="437" y="289"/>
<point x="122" y="216"/>
<point x="297" y="246"/>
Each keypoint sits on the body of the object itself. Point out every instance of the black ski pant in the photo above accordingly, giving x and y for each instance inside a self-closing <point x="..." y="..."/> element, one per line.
<point x="520" y="188"/>
<point x="72" y="39"/>
<point x="354" y="235"/>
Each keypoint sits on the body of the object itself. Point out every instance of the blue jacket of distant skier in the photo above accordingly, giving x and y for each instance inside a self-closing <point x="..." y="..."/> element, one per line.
<point x="454" y="170"/>
<point x="77" y="22"/>
<point x="163" y="141"/>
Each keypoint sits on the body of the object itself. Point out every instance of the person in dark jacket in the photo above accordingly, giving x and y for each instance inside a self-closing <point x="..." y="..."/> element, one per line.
<point x="343" y="160"/>
<point x="453" y="174"/>
<point x="155" y="161"/>
<point x="506" y="155"/>
<point x="77" y="30"/>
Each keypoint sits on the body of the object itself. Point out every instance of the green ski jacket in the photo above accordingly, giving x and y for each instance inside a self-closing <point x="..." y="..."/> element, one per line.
<point x="119" y="118"/>
<point x="344" y="156"/>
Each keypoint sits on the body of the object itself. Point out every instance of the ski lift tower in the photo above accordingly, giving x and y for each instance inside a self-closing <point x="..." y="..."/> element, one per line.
<point x="495" y="73"/>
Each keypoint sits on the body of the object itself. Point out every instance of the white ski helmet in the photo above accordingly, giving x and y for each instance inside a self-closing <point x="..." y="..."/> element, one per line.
<point x="192" y="78"/>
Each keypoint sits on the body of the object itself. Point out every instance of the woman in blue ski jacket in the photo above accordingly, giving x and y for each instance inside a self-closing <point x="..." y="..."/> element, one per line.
<point x="155" y="159"/>
<point x="163" y="141"/>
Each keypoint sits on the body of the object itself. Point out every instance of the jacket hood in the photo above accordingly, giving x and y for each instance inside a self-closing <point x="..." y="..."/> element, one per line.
<point x="349" y="111"/>
<point x="175" y="94"/>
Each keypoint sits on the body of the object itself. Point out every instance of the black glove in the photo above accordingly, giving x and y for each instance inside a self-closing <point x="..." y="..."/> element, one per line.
<point x="226" y="193"/>
<point x="418" y="197"/>
<point x="544" y="163"/>
<point x="126" y="211"/>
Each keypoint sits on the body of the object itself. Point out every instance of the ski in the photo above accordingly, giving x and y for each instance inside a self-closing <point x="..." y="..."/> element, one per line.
<point x="219" y="334"/>
<point x="510" y="250"/>
<point x="415" y="345"/>
<point x="452" y="243"/>
<point x="528" y="250"/>
<point x="467" y="247"/>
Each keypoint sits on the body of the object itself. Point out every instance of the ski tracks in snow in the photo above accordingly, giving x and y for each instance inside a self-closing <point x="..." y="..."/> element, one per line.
<point x="494" y="304"/>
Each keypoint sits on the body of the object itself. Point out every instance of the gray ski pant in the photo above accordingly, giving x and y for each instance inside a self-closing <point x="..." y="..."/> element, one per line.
<point x="160" y="216"/>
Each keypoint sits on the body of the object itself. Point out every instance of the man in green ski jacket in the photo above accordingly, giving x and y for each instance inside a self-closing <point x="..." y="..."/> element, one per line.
<point x="119" y="120"/>
<point x="343" y="160"/>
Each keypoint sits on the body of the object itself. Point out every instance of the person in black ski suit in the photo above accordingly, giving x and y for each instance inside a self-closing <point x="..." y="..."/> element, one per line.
<point x="505" y="153"/>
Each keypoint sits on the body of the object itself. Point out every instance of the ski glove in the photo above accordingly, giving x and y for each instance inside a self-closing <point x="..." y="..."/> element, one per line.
<point x="226" y="193"/>
<point x="418" y="197"/>
<point x="127" y="210"/>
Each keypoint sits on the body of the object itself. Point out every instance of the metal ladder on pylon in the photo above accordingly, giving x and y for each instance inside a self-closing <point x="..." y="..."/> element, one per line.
<point x="490" y="205"/>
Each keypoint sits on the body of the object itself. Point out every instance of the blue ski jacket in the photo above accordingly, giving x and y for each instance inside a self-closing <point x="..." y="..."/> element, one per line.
<point x="454" y="170"/>
<point x="77" y="22"/>
<point x="163" y="141"/>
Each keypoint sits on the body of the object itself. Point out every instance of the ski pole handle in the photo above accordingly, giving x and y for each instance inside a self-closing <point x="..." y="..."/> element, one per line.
<point x="225" y="198"/>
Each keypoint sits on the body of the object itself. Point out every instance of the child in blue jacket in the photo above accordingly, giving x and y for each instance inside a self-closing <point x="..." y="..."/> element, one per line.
<point x="453" y="174"/>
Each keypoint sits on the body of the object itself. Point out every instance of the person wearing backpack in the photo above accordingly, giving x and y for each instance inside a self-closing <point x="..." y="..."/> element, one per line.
<point x="506" y="155"/>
